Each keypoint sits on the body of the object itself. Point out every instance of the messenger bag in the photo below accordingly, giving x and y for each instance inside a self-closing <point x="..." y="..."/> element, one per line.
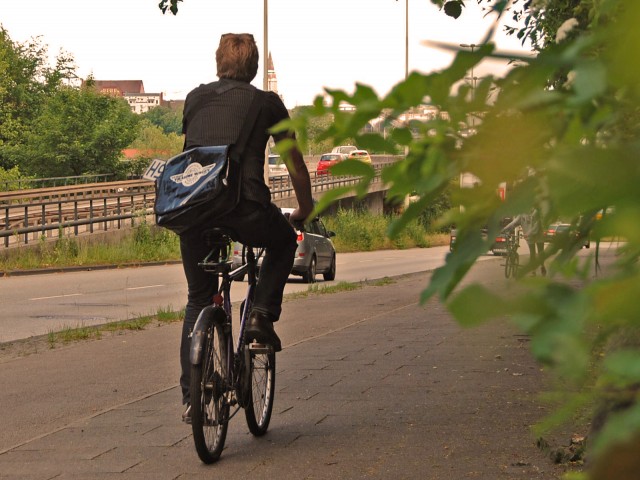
<point x="203" y="183"/>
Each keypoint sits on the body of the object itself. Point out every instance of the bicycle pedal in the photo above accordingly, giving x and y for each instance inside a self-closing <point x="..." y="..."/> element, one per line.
<point x="260" y="348"/>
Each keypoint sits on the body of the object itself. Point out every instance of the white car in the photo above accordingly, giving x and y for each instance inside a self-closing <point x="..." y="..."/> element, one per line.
<point x="315" y="253"/>
<point x="276" y="166"/>
<point x="344" y="149"/>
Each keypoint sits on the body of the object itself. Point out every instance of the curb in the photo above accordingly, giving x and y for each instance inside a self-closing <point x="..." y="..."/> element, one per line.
<point x="85" y="268"/>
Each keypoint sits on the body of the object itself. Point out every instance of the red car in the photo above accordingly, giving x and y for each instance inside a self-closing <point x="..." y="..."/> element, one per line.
<point x="328" y="160"/>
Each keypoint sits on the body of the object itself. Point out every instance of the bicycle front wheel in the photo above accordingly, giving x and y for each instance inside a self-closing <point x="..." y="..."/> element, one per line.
<point x="511" y="265"/>
<point x="209" y="405"/>
<point x="515" y="264"/>
<point x="507" y="265"/>
<point x="259" y="405"/>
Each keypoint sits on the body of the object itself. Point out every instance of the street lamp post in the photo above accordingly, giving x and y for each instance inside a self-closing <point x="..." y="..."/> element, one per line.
<point x="265" y="78"/>
<point x="265" y="56"/>
<point x="406" y="40"/>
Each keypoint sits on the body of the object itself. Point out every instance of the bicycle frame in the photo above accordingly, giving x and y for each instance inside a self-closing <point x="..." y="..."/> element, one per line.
<point x="513" y="243"/>
<point x="224" y="379"/>
<point x="220" y="312"/>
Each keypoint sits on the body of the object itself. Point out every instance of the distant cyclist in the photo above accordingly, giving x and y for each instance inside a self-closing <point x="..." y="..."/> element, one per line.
<point x="533" y="235"/>
<point x="256" y="221"/>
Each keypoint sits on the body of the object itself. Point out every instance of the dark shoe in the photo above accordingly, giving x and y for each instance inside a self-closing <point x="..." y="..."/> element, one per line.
<point x="260" y="329"/>
<point x="186" y="415"/>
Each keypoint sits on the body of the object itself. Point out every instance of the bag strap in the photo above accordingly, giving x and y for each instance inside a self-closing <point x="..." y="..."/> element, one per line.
<point x="249" y="123"/>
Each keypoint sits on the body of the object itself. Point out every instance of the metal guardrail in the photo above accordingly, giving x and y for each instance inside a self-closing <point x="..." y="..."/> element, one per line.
<point x="22" y="183"/>
<point x="72" y="210"/>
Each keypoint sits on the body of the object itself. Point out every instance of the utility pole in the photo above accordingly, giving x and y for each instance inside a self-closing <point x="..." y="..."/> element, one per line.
<point x="406" y="40"/>
<point x="265" y="78"/>
<point x="472" y="47"/>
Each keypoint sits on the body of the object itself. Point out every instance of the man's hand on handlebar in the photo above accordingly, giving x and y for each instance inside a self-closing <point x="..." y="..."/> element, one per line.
<point x="297" y="218"/>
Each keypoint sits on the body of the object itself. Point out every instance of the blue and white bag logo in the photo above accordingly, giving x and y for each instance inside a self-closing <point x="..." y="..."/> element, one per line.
<point x="192" y="174"/>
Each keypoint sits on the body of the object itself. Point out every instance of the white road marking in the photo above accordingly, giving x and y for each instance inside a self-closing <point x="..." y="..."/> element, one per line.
<point x="57" y="296"/>
<point x="146" y="286"/>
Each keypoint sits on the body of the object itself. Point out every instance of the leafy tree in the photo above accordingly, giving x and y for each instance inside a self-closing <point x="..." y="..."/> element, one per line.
<point x="171" y="5"/>
<point x="562" y="133"/>
<point x="312" y="138"/>
<point x="10" y="179"/>
<point x="168" y="119"/>
<point x="25" y="80"/>
<point x="153" y="141"/>
<point x="78" y="131"/>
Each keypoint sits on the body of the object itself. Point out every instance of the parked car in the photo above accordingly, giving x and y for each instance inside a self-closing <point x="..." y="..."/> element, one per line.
<point x="276" y="165"/>
<point x="499" y="245"/>
<point x="315" y="253"/>
<point x="559" y="231"/>
<point x="328" y="160"/>
<point x="361" y="155"/>
<point x="453" y="237"/>
<point x="344" y="149"/>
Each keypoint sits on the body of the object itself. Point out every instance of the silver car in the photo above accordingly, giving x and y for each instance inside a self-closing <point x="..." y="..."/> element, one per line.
<point x="315" y="253"/>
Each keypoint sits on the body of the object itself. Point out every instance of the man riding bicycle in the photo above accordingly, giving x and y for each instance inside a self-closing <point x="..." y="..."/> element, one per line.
<point x="221" y="110"/>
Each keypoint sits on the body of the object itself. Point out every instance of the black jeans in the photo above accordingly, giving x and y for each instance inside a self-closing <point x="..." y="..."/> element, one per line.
<point x="254" y="225"/>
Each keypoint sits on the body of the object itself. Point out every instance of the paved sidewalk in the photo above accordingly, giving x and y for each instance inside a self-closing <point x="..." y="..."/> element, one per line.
<point x="369" y="385"/>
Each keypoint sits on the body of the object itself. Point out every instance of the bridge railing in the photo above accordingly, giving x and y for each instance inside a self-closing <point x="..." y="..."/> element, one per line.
<point x="30" y="183"/>
<point x="30" y="215"/>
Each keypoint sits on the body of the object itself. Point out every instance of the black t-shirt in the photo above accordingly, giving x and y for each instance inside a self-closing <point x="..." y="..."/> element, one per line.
<point x="220" y="122"/>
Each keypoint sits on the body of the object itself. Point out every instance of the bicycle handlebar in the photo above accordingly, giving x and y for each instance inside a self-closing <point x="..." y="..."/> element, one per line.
<point x="296" y="224"/>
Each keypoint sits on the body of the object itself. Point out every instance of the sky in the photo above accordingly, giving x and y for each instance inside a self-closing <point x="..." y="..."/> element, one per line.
<point x="314" y="45"/>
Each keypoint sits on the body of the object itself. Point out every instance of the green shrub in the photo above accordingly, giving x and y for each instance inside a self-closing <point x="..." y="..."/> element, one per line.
<point x="358" y="231"/>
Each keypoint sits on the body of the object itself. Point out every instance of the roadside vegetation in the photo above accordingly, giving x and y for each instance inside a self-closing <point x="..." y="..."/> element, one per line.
<point x="70" y="334"/>
<point x="142" y="244"/>
<point x="355" y="231"/>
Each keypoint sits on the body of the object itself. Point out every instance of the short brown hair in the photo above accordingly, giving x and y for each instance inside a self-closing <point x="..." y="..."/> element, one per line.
<point x="237" y="57"/>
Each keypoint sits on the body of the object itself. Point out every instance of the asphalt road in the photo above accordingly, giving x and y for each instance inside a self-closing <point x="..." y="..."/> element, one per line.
<point x="38" y="304"/>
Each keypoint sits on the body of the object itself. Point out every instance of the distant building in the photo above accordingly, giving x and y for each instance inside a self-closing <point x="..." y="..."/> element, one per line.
<point x="133" y="92"/>
<point x="272" y="80"/>
<point x="143" y="102"/>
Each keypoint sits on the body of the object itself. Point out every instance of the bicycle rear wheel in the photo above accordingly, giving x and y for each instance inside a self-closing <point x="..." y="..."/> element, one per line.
<point x="209" y="406"/>
<point x="259" y="405"/>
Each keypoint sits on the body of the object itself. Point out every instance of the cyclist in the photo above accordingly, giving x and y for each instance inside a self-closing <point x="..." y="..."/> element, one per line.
<point x="255" y="221"/>
<point x="533" y="235"/>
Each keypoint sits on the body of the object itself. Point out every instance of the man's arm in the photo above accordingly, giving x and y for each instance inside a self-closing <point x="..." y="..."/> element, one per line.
<point x="301" y="185"/>
<point x="513" y="224"/>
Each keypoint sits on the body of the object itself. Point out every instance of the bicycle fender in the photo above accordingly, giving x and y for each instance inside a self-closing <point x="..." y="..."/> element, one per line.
<point x="207" y="317"/>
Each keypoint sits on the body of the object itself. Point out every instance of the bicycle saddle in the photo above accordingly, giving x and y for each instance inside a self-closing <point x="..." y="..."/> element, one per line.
<point x="218" y="235"/>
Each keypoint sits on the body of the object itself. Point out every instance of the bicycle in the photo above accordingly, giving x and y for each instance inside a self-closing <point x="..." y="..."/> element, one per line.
<point x="224" y="380"/>
<point x="512" y="257"/>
